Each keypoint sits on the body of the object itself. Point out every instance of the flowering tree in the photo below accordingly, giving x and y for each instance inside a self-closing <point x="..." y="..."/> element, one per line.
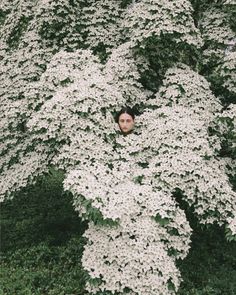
<point x="67" y="66"/>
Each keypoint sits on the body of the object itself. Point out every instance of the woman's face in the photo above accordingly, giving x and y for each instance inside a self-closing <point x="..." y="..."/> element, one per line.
<point x="126" y="123"/>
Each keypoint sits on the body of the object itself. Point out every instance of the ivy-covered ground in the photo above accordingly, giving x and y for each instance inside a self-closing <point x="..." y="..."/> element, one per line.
<point x="42" y="244"/>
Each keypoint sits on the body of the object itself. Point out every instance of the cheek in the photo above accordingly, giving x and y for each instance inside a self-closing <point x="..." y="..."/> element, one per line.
<point x="121" y="126"/>
<point x="131" y="124"/>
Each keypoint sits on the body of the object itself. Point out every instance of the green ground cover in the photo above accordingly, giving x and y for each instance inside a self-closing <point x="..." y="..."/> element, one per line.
<point x="42" y="245"/>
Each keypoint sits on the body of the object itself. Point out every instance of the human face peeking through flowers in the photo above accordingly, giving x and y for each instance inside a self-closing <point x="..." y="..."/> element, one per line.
<point x="126" y="123"/>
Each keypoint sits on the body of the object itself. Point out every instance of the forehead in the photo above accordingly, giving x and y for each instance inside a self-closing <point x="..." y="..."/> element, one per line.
<point x="125" y="116"/>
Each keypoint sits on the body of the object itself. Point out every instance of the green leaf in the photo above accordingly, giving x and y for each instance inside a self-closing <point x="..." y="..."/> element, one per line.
<point x="162" y="221"/>
<point x="138" y="179"/>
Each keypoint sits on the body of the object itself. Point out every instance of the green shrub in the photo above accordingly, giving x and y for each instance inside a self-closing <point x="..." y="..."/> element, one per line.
<point x="39" y="213"/>
<point x="210" y="268"/>
<point x="44" y="269"/>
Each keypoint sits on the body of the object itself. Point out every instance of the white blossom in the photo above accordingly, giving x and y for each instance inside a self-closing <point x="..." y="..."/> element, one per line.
<point x="65" y="70"/>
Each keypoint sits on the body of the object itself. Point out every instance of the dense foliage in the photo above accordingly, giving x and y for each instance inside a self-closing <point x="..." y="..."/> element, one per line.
<point x="42" y="248"/>
<point x="66" y="67"/>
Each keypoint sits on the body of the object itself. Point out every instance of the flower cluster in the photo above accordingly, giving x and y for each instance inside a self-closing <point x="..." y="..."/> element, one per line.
<point x="224" y="126"/>
<point x="172" y="150"/>
<point x="152" y="19"/>
<point x="227" y="72"/>
<point x="101" y="23"/>
<point x="130" y="257"/>
<point x="58" y="100"/>
<point x="217" y="27"/>
<point x="147" y="218"/>
<point x="76" y="92"/>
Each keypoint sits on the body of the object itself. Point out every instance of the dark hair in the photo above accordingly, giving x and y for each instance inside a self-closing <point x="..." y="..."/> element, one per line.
<point x="125" y="110"/>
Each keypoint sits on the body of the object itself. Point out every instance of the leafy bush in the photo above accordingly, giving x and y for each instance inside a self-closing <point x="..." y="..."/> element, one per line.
<point x="210" y="268"/>
<point x="42" y="269"/>
<point x="39" y="213"/>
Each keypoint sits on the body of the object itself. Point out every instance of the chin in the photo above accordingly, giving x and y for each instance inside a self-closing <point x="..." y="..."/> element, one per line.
<point x="126" y="131"/>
